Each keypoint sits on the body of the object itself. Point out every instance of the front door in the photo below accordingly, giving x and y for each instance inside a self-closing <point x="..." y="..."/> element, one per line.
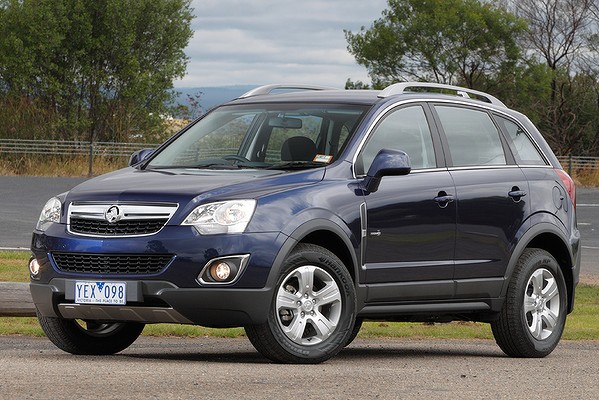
<point x="411" y="219"/>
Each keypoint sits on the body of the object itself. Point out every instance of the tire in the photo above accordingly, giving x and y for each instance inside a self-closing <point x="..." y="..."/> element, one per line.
<point x="533" y="316"/>
<point x="355" y="331"/>
<point x="90" y="337"/>
<point x="312" y="312"/>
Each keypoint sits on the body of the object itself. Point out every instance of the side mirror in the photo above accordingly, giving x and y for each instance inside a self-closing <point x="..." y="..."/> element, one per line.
<point x="139" y="156"/>
<point x="386" y="163"/>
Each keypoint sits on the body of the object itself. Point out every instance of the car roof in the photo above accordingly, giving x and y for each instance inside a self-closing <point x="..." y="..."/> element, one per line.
<point x="309" y="94"/>
<point x="366" y="97"/>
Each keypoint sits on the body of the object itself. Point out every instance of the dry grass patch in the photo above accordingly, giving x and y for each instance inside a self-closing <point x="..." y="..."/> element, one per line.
<point x="65" y="166"/>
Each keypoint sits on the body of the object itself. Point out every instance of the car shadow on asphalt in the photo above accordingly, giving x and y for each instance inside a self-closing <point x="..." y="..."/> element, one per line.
<point x="411" y="352"/>
<point x="353" y="353"/>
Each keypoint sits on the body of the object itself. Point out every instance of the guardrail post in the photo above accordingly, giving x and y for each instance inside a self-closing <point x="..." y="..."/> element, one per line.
<point x="570" y="165"/>
<point x="91" y="159"/>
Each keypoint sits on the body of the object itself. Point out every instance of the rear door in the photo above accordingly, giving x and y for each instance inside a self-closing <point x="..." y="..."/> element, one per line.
<point x="492" y="198"/>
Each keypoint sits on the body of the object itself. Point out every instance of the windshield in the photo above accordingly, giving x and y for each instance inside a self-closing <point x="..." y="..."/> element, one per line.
<point x="264" y="136"/>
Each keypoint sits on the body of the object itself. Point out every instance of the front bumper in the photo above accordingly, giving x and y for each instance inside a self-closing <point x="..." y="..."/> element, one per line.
<point x="173" y="295"/>
<point x="159" y="302"/>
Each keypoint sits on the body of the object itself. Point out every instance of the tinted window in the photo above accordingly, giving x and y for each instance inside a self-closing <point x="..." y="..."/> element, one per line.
<point x="522" y="147"/>
<point x="310" y="127"/>
<point x="253" y="136"/>
<point x="472" y="137"/>
<point x="404" y="129"/>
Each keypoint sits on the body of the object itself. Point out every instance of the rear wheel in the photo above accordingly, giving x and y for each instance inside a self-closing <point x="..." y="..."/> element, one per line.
<point x="534" y="314"/>
<point x="90" y="337"/>
<point x="312" y="312"/>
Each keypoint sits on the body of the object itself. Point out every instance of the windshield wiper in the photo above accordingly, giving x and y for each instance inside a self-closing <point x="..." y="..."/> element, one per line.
<point x="198" y="166"/>
<point x="216" y="166"/>
<point x="298" y="165"/>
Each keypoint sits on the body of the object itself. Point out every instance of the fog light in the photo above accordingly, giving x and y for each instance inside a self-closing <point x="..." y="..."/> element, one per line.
<point x="223" y="270"/>
<point x="34" y="268"/>
<point x="220" y="272"/>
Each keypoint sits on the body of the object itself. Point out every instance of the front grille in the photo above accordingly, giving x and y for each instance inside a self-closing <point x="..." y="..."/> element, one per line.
<point x="121" y="228"/>
<point x="111" y="264"/>
<point x="105" y="219"/>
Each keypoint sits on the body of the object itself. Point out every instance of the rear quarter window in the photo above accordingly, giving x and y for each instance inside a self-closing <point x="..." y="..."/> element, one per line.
<point x="525" y="152"/>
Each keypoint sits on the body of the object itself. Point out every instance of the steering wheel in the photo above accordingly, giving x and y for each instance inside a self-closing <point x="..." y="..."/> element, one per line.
<point x="235" y="157"/>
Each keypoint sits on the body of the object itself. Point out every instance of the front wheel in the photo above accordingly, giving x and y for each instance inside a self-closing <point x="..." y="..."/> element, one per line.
<point x="534" y="314"/>
<point x="355" y="331"/>
<point x="312" y="312"/>
<point x="90" y="337"/>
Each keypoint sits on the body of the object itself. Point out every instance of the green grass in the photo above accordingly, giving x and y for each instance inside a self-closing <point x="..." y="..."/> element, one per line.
<point x="20" y="326"/>
<point x="582" y="324"/>
<point x="14" y="266"/>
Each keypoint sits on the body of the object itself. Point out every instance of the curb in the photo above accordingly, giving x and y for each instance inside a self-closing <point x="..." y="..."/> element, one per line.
<point x="15" y="300"/>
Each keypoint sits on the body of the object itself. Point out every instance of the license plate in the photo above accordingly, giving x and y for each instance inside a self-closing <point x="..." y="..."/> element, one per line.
<point x="100" y="292"/>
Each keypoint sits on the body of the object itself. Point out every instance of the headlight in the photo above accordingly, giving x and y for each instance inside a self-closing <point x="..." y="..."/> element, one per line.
<point x="222" y="217"/>
<point x="50" y="213"/>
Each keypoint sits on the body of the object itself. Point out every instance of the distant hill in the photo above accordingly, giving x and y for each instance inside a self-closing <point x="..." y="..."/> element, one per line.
<point x="212" y="96"/>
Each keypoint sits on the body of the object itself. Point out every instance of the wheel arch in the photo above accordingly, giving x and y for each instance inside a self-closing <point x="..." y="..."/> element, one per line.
<point x="548" y="237"/>
<point x="555" y="246"/>
<point x="334" y="243"/>
<point x="324" y="233"/>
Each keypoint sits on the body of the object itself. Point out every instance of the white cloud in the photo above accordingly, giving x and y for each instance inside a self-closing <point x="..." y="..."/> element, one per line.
<point x="266" y="41"/>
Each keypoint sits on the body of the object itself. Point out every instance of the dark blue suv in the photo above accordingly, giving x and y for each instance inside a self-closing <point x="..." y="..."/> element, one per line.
<point x="299" y="212"/>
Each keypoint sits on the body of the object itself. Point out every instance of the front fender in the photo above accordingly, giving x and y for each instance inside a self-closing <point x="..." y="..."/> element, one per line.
<point x="311" y="221"/>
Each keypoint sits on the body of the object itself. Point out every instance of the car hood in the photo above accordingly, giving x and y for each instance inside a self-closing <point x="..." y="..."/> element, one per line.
<point x="183" y="185"/>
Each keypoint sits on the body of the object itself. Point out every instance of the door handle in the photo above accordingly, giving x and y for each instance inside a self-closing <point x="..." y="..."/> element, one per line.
<point x="516" y="194"/>
<point x="443" y="199"/>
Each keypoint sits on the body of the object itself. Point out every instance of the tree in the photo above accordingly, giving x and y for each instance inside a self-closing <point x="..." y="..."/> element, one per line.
<point x="557" y="31"/>
<point x="560" y="34"/>
<point x="445" y="41"/>
<point x="102" y="67"/>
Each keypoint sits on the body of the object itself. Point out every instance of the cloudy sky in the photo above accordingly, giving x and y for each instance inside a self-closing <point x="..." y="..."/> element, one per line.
<point x="240" y="42"/>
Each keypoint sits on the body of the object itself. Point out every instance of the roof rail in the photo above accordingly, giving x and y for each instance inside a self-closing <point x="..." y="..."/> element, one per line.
<point x="399" y="88"/>
<point x="267" y="89"/>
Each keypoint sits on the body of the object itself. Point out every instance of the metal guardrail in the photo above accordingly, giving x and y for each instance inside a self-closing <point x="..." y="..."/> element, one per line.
<point x="66" y="147"/>
<point x="579" y="163"/>
<point x="112" y="149"/>
<point x="72" y="148"/>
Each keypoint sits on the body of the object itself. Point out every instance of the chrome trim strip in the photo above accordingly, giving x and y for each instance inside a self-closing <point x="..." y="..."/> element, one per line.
<point x="410" y="264"/>
<point x="423" y="264"/>
<point x="470" y="167"/>
<point x="96" y="211"/>
<point x="537" y="166"/>
<point x="364" y="233"/>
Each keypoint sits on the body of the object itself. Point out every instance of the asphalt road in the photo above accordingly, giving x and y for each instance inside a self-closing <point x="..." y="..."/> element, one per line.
<point x="588" y="223"/>
<point x="212" y="368"/>
<point x="22" y="199"/>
